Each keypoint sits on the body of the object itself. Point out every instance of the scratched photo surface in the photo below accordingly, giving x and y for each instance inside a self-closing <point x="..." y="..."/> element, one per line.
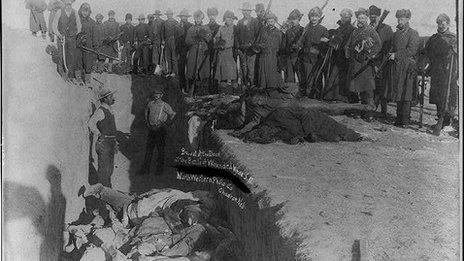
<point x="214" y="141"/>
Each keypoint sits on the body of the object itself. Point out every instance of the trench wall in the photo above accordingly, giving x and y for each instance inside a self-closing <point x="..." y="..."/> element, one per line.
<point x="45" y="149"/>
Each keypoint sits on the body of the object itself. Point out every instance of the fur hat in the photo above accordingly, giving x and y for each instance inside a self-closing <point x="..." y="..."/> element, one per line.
<point x="141" y="17"/>
<point x="346" y="13"/>
<point x="212" y="11"/>
<point x="229" y="14"/>
<point x="169" y="12"/>
<point x="99" y="16"/>
<point x="295" y="15"/>
<point x="374" y="10"/>
<point x="315" y="11"/>
<point x="111" y="12"/>
<point x="157" y="13"/>
<point x="403" y="13"/>
<point x="259" y="7"/>
<point x="361" y="11"/>
<point x="198" y="15"/>
<point x="443" y="17"/>
<point x="128" y="16"/>
<point x="246" y="6"/>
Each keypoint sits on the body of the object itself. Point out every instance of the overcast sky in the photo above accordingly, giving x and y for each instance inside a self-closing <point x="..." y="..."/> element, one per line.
<point x="424" y="12"/>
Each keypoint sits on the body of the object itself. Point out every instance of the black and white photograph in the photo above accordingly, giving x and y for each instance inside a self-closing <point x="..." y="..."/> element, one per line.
<point x="240" y="130"/>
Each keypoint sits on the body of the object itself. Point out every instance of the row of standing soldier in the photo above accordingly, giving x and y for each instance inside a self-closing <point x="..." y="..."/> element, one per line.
<point x="368" y="61"/>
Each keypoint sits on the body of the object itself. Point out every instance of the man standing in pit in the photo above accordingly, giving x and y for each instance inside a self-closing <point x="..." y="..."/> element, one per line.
<point x="246" y="32"/>
<point x="158" y="116"/>
<point x="170" y="35"/>
<point x="103" y="126"/>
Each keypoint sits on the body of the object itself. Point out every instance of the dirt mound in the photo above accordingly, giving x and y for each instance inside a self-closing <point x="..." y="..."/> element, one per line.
<point x="46" y="148"/>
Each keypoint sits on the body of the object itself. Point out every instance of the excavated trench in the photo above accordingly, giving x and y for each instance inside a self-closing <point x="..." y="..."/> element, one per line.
<point x="244" y="207"/>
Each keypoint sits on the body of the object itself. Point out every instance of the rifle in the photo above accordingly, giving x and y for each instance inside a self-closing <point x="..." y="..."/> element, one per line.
<point x="90" y="50"/>
<point x="421" y="97"/>
<point x="369" y="63"/>
<point x="439" y="125"/>
<point x="307" y="26"/>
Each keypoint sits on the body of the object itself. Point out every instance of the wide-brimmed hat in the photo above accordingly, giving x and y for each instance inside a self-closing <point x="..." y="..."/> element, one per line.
<point x="157" y="13"/>
<point x="229" y="14"/>
<point x="169" y="12"/>
<point x="295" y="14"/>
<point x="213" y="11"/>
<point x="361" y="11"/>
<point x="403" y="13"/>
<point x="105" y="93"/>
<point x="184" y="13"/>
<point x="141" y="17"/>
<point x="246" y="6"/>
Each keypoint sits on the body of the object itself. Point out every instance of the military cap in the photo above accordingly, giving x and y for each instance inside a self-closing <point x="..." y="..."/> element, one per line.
<point x="141" y="17"/>
<point x="403" y="13"/>
<point x="315" y="11"/>
<point x="246" y="6"/>
<point x="443" y="17"/>
<point x="198" y="14"/>
<point x="229" y="14"/>
<point x="259" y="7"/>
<point x="157" y="13"/>
<point x="105" y="93"/>
<point x="270" y="15"/>
<point x="212" y="11"/>
<point x="361" y="11"/>
<point x="111" y="12"/>
<point x="184" y="13"/>
<point x="374" y="10"/>
<point x="346" y="13"/>
<point x="169" y="11"/>
<point x="295" y="15"/>
<point x="128" y="16"/>
<point x="99" y="16"/>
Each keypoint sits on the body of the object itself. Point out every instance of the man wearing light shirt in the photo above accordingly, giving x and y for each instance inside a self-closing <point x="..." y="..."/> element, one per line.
<point x="158" y="115"/>
<point x="103" y="126"/>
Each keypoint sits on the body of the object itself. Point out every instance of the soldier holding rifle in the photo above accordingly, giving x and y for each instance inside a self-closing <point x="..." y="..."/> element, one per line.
<point x="441" y="49"/>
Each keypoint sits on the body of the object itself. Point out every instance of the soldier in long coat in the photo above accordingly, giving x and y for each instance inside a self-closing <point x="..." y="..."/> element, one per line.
<point x="156" y="36"/>
<point x="127" y="42"/>
<point x="363" y="45"/>
<point x="247" y="31"/>
<point x="142" y="41"/>
<point x="170" y="34"/>
<point x="270" y="43"/>
<point x="224" y="41"/>
<point x="110" y="31"/>
<point x="66" y="26"/>
<point x="98" y="41"/>
<point x="212" y="14"/>
<point x="310" y="56"/>
<point x="85" y="60"/>
<point x="386" y="33"/>
<point x="337" y="84"/>
<point x="197" y="39"/>
<point x="402" y="83"/>
<point x="36" y="18"/>
<point x="182" y="47"/>
<point x="441" y="49"/>
<point x="53" y="7"/>
<point x="291" y="37"/>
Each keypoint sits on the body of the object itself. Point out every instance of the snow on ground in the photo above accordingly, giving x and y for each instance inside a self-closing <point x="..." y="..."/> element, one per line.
<point x="46" y="148"/>
<point x="398" y="195"/>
